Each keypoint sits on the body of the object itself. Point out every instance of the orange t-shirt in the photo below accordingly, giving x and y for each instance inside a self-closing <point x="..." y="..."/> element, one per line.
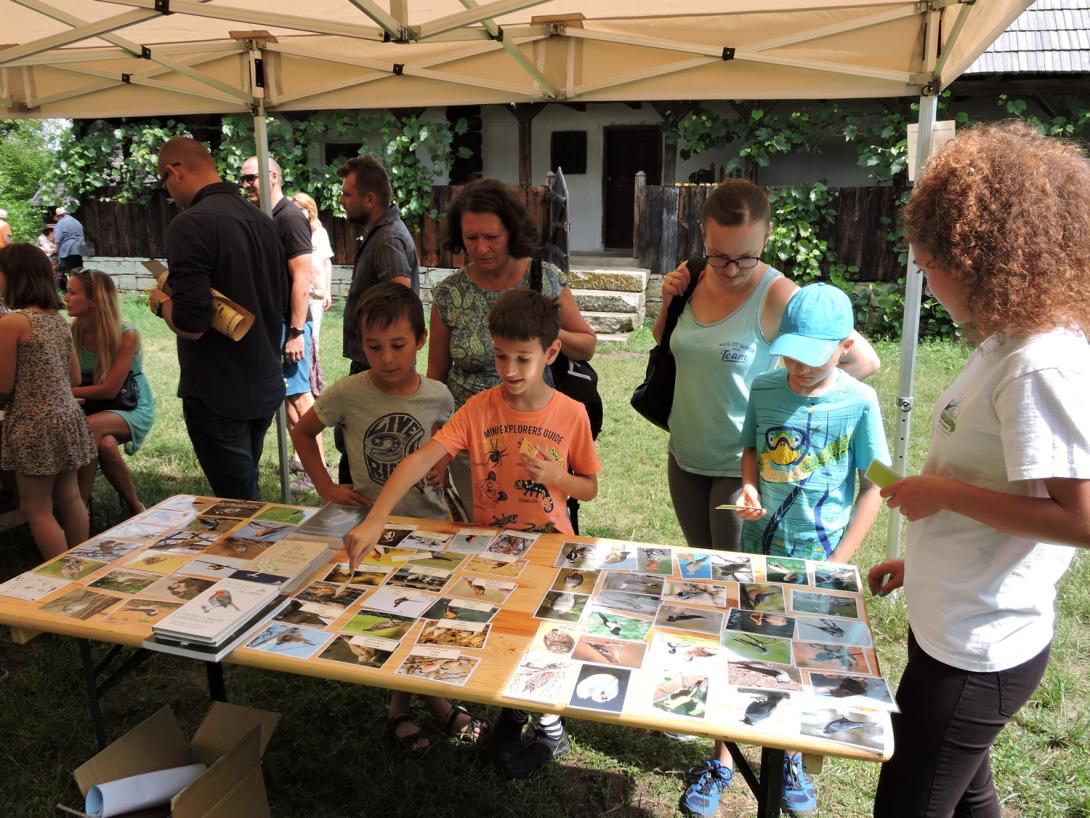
<point x="495" y="435"/>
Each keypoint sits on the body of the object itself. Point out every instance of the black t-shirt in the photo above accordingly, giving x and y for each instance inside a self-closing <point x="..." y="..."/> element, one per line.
<point x="223" y="242"/>
<point x="293" y="228"/>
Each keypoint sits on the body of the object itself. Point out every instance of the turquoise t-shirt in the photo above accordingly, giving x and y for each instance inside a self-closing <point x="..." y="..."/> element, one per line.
<point x="808" y="452"/>
<point x="716" y="363"/>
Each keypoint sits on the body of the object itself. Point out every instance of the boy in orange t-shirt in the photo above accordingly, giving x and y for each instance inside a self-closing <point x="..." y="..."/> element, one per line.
<point x="522" y="437"/>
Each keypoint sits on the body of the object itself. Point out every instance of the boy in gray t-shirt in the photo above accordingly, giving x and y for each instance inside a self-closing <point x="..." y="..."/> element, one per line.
<point x="388" y="412"/>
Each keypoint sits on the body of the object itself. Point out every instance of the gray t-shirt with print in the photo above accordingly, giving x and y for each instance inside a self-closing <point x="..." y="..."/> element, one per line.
<point x="381" y="430"/>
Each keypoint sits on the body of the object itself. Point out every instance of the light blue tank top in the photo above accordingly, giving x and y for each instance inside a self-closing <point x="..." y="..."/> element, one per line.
<point x="716" y="365"/>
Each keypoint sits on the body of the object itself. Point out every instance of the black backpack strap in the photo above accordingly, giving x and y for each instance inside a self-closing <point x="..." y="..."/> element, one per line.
<point x="696" y="266"/>
<point x="535" y="274"/>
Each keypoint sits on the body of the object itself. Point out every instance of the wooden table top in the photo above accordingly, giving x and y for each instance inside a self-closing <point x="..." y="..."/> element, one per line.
<point x="513" y="628"/>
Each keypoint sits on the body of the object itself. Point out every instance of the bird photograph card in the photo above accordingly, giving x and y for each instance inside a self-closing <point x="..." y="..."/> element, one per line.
<point x="400" y="601"/>
<point x="394" y="534"/>
<point x="125" y="581"/>
<point x="310" y="614"/>
<point x="754" y="596"/>
<point x="554" y="639"/>
<point x="163" y="517"/>
<point x="460" y="610"/>
<point x="824" y="604"/>
<point x="359" y="651"/>
<point x="600" y="688"/>
<point x="562" y="606"/>
<point x="770" y="710"/>
<point x="426" y="540"/>
<point x="735" y="567"/>
<point x="717" y="595"/>
<point x="331" y="594"/>
<point x="749" y="673"/>
<point x="601" y="622"/>
<point x="448" y="633"/>
<point x="158" y="561"/>
<point x="178" y="588"/>
<point x="786" y="570"/>
<point x="30" y="587"/>
<point x="472" y="540"/>
<point x="739" y="645"/>
<point x="576" y="581"/>
<point x="694" y="564"/>
<point x="69" y="567"/>
<point x="419" y="578"/>
<point x="237" y="550"/>
<point x="632" y="583"/>
<point x="828" y="629"/>
<point x="184" y="542"/>
<point x="836" y="577"/>
<point x="851" y="726"/>
<point x="285" y="639"/>
<point x="104" y="549"/>
<point x="212" y="525"/>
<point x="333" y="521"/>
<point x="701" y="620"/>
<point x="681" y="693"/>
<point x="542" y="678"/>
<point x="187" y="502"/>
<point x="685" y="652"/>
<point x="443" y="560"/>
<point x="655" y="561"/>
<point x="79" y="603"/>
<point x="365" y="576"/>
<point x="141" y="611"/>
<point x="481" y="589"/>
<point x="512" y="543"/>
<point x="635" y="604"/>
<point x="264" y="530"/>
<point x="844" y="690"/>
<point x="607" y="651"/>
<point x="379" y="623"/>
<point x="825" y="656"/>
<point x="499" y="564"/>
<point x="446" y="665"/>
<point x="761" y="623"/>
<point x="386" y="557"/>
<point x="236" y="509"/>
<point x="289" y="515"/>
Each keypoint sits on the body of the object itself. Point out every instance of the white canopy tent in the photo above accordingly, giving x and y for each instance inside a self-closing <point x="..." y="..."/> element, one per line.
<point x="99" y="58"/>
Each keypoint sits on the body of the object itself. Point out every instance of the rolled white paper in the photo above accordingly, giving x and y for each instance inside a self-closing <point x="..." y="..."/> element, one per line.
<point x="139" y="791"/>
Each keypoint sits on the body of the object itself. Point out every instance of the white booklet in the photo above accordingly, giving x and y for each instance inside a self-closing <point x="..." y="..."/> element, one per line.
<point x="216" y="612"/>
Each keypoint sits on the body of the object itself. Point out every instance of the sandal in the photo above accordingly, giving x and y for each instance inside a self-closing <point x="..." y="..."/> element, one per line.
<point x="473" y="733"/>
<point x="410" y="742"/>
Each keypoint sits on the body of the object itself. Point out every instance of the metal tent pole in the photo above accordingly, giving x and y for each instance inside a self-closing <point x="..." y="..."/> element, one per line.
<point x="910" y="329"/>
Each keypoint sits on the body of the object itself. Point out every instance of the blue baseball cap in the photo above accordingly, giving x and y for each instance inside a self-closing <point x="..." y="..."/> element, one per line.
<point x="817" y="318"/>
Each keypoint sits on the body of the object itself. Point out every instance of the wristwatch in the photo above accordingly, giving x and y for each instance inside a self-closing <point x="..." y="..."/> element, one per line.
<point x="294" y="332"/>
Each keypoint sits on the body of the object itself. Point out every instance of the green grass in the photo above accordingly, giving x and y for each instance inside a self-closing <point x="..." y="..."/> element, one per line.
<point x="328" y="759"/>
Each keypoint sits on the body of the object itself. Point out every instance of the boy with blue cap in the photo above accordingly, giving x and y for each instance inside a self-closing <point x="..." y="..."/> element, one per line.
<point x="809" y="428"/>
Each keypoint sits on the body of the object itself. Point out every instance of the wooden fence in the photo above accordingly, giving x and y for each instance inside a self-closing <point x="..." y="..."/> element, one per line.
<point x="667" y="222"/>
<point x="139" y="230"/>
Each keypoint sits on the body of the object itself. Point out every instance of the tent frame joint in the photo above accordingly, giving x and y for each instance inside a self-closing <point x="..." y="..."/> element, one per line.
<point x="498" y="36"/>
<point x="163" y="6"/>
<point x="728" y="53"/>
<point x="145" y="52"/>
<point x="929" y="89"/>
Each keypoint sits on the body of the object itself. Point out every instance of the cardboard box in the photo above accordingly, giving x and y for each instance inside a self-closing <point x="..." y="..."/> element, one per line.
<point x="230" y="740"/>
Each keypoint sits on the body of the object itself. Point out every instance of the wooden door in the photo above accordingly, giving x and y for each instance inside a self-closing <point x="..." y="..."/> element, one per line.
<point x="627" y="149"/>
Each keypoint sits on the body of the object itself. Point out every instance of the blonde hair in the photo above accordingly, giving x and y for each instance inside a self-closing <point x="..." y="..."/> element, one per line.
<point x="310" y="207"/>
<point x="103" y="323"/>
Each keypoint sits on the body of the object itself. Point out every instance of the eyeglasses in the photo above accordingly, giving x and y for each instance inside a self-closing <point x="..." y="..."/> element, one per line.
<point x="166" y="174"/>
<point x="742" y="262"/>
<point x="248" y="178"/>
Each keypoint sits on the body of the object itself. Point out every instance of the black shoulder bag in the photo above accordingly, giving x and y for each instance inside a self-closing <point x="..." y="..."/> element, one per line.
<point x="125" y="399"/>
<point x="576" y="379"/>
<point x="654" y="398"/>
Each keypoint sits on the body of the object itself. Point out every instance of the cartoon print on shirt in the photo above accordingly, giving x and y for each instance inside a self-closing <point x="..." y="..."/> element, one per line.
<point x="389" y="440"/>
<point x="496" y="451"/>
<point x="948" y="417"/>
<point x="529" y="488"/>
<point x="488" y="493"/>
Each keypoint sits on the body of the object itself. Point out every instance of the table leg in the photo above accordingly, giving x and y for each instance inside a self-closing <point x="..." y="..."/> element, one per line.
<point x="110" y="676"/>
<point x="768" y="787"/>
<point x="217" y="690"/>
<point x="91" y="683"/>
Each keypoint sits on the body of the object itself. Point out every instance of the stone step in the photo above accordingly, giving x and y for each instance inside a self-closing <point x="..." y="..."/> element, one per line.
<point x="601" y="261"/>
<point x="631" y="280"/>
<point x="614" y="322"/>
<point x="609" y="300"/>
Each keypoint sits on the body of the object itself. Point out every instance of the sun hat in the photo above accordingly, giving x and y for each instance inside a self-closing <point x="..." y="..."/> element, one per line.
<point x="817" y="318"/>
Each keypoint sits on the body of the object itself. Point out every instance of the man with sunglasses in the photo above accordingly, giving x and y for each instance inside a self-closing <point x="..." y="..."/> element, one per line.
<point x="294" y="231"/>
<point x="229" y="389"/>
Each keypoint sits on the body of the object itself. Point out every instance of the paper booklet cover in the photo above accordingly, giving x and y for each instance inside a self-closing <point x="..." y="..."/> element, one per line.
<point x="228" y="317"/>
<point x="217" y="611"/>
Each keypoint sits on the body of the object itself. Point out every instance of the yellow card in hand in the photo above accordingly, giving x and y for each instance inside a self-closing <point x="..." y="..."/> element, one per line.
<point x="881" y="475"/>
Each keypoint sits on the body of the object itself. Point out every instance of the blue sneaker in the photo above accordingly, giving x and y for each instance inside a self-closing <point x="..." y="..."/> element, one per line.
<point x="799" y="792"/>
<point x="706" y="785"/>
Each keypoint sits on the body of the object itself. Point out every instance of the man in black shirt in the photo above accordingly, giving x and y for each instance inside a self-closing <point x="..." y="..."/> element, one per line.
<point x="294" y="231"/>
<point x="229" y="389"/>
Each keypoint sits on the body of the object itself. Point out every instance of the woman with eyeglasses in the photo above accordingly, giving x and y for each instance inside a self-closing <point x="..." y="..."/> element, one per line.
<point x="720" y="345"/>
<point x="108" y="350"/>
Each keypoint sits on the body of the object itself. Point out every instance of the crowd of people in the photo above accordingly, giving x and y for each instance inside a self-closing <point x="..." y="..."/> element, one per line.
<point x="998" y="225"/>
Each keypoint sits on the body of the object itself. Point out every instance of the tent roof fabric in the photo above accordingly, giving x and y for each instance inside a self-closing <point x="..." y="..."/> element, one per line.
<point x="90" y="58"/>
<point x="1050" y="37"/>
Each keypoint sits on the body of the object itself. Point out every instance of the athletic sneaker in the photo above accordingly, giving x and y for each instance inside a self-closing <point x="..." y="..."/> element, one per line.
<point x="559" y="747"/>
<point x="799" y="792"/>
<point x="706" y="785"/>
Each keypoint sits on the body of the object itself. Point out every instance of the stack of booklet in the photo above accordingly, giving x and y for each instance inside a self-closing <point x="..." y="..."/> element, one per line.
<point x="217" y="620"/>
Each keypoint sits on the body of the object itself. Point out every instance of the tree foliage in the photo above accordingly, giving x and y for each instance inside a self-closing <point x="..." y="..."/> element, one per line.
<point x="26" y="153"/>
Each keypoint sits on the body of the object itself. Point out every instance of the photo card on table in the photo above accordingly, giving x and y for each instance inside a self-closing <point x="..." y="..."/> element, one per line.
<point x="787" y="570"/>
<point x="650" y="560"/>
<point x="686" y="652"/>
<point x="600" y="688"/>
<point x="681" y="693"/>
<point x="635" y="604"/>
<point x="734" y="567"/>
<point x="512" y="543"/>
<point x="836" y="577"/>
<point x="852" y="691"/>
<point x="141" y="611"/>
<point x="289" y="515"/>
<point x="694" y="564"/>
<point x="447" y="665"/>
<point x="608" y="651"/>
<point x="542" y="678"/>
<point x="756" y="596"/>
<point x="852" y="726"/>
<point x="379" y="624"/>
<point x="236" y="509"/>
<point x="285" y="639"/>
<point x="824" y="604"/>
<point x="237" y="549"/>
<point x="632" y="583"/>
<point x="400" y="601"/>
<point x="385" y="557"/>
<point x="187" y="502"/>
<point x="309" y="613"/>
<point x="426" y="541"/>
<point x="184" y="542"/>
<point x="829" y="629"/>
<point x="30" y="587"/>
<point x="364" y="576"/>
<point x="825" y="656"/>
<point x="481" y="589"/>
<point x="264" y="531"/>
<point x="562" y="606"/>
<point x="499" y="564"/>
<point x="554" y="639"/>
<point x="762" y="623"/>
<point x="419" y="578"/>
<point x="158" y="561"/>
<point x="329" y="593"/>
<point x="575" y="581"/>
<point x="212" y="525"/>
<point x="747" y="673"/>
<point x="178" y="587"/>
<point x="163" y="517"/>
<point x="449" y="633"/>
<point x="717" y="595"/>
<point x="125" y="581"/>
<point x="104" y="549"/>
<point x="472" y="540"/>
<point x="678" y="617"/>
<point x="750" y="646"/>
<point x="333" y="521"/>
<point x="603" y="622"/>
<point x="69" y="567"/>
<point x="774" y="710"/>
<point x="360" y="651"/>
<point x="80" y="603"/>
<point x="460" y="610"/>
<point x="444" y="561"/>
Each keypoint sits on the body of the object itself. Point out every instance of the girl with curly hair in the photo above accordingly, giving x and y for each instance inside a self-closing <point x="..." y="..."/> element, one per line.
<point x="1000" y="225"/>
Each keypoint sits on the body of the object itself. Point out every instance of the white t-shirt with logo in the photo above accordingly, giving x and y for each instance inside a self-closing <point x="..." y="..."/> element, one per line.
<point x="1019" y="412"/>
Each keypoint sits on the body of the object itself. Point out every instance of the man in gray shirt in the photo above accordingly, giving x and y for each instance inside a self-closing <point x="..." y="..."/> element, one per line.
<point x="386" y="252"/>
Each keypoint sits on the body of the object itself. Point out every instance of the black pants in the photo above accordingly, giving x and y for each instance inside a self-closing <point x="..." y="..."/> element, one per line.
<point x="941" y="765"/>
<point x="227" y="449"/>
<point x="344" y="473"/>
